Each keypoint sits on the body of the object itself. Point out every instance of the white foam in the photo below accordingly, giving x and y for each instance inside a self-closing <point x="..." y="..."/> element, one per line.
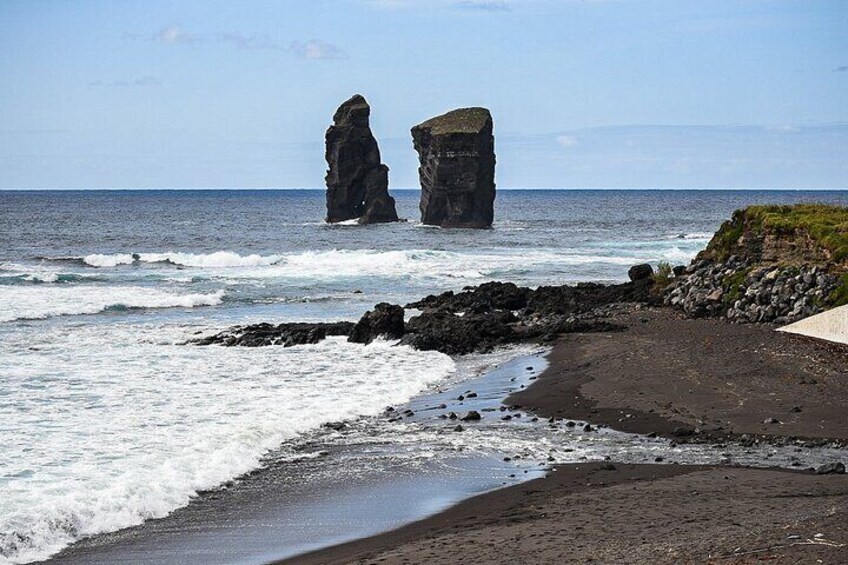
<point x="677" y="255"/>
<point x="425" y="264"/>
<point x="104" y="427"/>
<point x="38" y="274"/>
<point x="211" y="260"/>
<point x="694" y="236"/>
<point x="100" y="260"/>
<point x="27" y="302"/>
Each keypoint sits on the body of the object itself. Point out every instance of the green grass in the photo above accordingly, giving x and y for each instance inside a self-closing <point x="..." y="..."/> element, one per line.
<point x="725" y="240"/>
<point x="827" y="225"/>
<point x="662" y="276"/>
<point x="732" y="285"/>
<point x="839" y="297"/>
<point x="462" y="120"/>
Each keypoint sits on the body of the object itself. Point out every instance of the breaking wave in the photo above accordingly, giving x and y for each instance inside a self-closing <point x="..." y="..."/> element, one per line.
<point x="31" y="303"/>
<point x="152" y="424"/>
<point x="335" y="263"/>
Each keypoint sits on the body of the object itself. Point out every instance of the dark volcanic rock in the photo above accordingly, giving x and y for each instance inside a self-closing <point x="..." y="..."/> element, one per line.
<point x="286" y="335"/>
<point x="477" y="319"/>
<point x="457" y="169"/>
<point x="357" y="183"/>
<point x="384" y="320"/>
<point x="455" y="335"/>
<point x="541" y="302"/>
<point x="492" y="314"/>
<point x="483" y="298"/>
<point x="640" y="272"/>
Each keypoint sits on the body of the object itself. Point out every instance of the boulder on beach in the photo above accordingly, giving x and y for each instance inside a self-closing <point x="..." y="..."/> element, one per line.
<point x="640" y="272"/>
<point x="457" y="169"/>
<point x="357" y="182"/>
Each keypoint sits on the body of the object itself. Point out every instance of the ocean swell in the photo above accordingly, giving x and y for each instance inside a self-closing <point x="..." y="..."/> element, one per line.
<point x="32" y="303"/>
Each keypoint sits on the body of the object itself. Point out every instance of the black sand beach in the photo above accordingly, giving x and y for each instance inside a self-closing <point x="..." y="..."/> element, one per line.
<point x="662" y="374"/>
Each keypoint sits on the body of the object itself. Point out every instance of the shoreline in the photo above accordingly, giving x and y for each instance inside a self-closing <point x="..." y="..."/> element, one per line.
<point x="746" y="512"/>
<point x="337" y="484"/>
<point x="582" y="381"/>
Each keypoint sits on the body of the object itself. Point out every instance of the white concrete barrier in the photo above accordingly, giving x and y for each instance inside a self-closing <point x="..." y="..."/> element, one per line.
<point x="831" y="325"/>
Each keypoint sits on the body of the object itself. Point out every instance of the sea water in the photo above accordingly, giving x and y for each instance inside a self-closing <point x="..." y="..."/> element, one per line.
<point x="107" y="419"/>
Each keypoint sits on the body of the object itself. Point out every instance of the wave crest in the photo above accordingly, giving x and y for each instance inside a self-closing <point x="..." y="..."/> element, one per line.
<point x="28" y="303"/>
<point x="210" y="260"/>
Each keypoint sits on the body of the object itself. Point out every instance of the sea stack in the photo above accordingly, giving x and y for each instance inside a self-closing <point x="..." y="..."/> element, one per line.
<point x="457" y="169"/>
<point x="357" y="182"/>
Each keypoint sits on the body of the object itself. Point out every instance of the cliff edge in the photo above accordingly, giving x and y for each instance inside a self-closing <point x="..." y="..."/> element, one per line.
<point x="768" y="264"/>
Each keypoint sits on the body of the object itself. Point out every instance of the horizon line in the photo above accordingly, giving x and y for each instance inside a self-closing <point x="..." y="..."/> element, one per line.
<point x="407" y="189"/>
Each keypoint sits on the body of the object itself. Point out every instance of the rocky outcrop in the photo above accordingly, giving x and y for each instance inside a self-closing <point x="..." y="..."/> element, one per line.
<point x="535" y="305"/>
<point x="357" y="182"/>
<point x="768" y="264"/>
<point x="258" y="335"/>
<point x="385" y="320"/>
<point x="492" y="314"/>
<point x="474" y="320"/>
<point x="743" y="292"/>
<point x="803" y="234"/>
<point x="457" y="169"/>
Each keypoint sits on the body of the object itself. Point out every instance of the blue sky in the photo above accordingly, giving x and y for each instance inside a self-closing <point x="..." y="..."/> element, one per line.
<point x="585" y="93"/>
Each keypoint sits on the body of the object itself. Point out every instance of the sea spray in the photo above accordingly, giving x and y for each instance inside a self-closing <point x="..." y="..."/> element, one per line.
<point x="138" y="425"/>
<point x="32" y="303"/>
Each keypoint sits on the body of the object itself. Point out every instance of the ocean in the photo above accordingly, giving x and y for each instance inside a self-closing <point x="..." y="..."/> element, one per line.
<point x="108" y="420"/>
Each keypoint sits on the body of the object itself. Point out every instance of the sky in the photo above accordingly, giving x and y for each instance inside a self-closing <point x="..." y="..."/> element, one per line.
<point x="584" y="93"/>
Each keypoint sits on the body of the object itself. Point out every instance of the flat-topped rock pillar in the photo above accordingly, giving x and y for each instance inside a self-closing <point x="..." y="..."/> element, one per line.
<point x="456" y="152"/>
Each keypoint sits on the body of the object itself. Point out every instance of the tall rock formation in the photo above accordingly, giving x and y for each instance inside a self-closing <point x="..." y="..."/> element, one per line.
<point x="357" y="183"/>
<point x="457" y="155"/>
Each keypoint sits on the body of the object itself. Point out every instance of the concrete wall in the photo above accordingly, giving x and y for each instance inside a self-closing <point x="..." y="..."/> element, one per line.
<point x="831" y="325"/>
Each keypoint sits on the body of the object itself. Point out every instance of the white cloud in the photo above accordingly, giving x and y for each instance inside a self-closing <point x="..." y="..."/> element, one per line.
<point x="141" y="81"/>
<point x="247" y="41"/>
<point x="483" y="5"/>
<point x="173" y="35"/>
<point x="782" y="129"/>
<point x="316" y="49"/>
<point x="567" y="140"/>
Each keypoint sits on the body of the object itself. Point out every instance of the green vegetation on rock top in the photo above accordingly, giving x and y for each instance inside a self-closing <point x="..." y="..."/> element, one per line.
<point x="463" y="120"/>
<point x="826" y="225"/>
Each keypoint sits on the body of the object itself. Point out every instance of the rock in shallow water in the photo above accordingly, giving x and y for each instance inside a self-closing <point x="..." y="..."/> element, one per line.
<point x="457" y="157"/>
<point x="385" y="320"/>
<point x="258" y="335"/>
<point x="357" y="182"/>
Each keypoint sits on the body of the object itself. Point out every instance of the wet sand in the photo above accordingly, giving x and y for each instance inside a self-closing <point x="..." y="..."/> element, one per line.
<point x="666" y="371"/>
<point x="661" y="373"/>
